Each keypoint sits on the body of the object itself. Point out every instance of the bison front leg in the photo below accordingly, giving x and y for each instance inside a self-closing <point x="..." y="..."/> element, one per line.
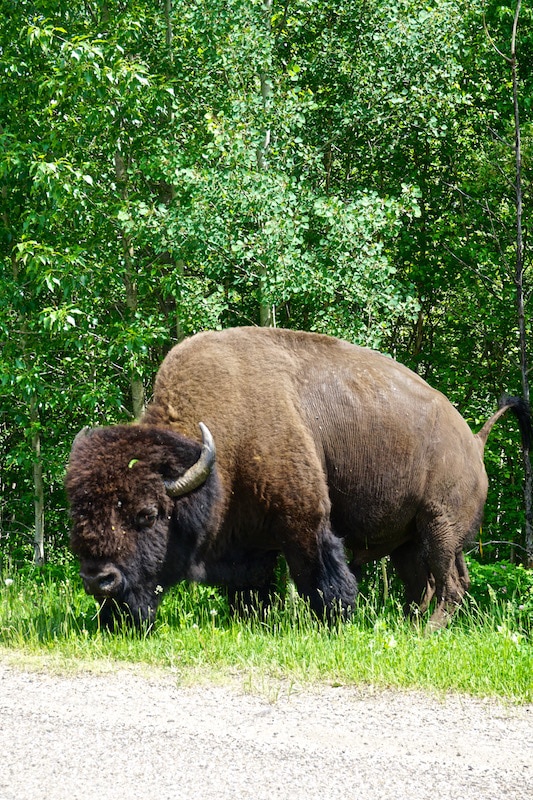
<point x="255" y="596"/>
<point x="322" y="576"/>
<point x="247" y="575"/>
<point x="252" y="601"/>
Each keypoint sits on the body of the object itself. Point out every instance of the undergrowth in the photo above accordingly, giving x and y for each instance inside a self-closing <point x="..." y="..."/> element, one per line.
<point x="486" y="651"/>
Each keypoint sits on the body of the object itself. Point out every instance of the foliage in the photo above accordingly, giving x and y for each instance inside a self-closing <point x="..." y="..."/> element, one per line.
<point x="347" y="166"/>
<point x="506" y="584"/>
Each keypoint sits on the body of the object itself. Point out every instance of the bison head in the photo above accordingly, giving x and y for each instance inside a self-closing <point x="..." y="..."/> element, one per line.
<point x="137" y="522"/>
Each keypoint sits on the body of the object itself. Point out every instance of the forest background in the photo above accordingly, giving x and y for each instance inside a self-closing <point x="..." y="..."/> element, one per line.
<point x="345" y="167"/>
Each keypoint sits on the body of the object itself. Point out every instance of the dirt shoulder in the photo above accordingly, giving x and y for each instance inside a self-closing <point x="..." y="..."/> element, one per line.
<point x="123" y="734"/>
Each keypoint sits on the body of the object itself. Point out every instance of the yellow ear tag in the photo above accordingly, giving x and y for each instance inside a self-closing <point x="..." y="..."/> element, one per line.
<point x="133" y="462"/>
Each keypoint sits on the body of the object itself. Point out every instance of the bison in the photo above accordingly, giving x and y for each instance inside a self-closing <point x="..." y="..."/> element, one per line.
<point x="330" y="454"/>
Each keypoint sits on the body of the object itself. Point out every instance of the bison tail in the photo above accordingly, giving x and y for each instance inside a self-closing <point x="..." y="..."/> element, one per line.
<point x="522" y="411"/>
<point x="520" y="408"/>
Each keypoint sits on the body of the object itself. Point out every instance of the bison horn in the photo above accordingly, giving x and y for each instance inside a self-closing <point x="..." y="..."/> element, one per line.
<point x="198" y="473"/>
<point x="81" y="434"/>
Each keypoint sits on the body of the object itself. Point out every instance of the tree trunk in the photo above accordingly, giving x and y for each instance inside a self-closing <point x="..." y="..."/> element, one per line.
<point x="137" y="388"/>
<point x="38" y="484"/>
<point x="519" y="282"/>
<point x="267" y="311"/>
<point x="168" y="25"/>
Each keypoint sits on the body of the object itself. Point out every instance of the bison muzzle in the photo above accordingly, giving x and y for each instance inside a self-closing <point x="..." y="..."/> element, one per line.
<point x="329" y="454"/>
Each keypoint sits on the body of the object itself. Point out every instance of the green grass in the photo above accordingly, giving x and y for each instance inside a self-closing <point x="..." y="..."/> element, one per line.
<point x="485" y="652"/>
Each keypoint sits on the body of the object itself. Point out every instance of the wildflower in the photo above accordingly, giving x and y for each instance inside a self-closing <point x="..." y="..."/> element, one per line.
<point x="512" y="636"/>
<point x="9" y="581"/>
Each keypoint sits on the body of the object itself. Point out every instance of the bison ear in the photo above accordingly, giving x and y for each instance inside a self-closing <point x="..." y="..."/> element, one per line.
<point x="199" y="472"/>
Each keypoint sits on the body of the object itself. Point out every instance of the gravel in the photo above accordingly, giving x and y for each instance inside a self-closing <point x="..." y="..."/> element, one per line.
<point x="125" y="735"/>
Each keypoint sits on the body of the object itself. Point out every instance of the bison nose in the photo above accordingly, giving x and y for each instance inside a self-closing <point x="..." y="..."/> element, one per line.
<point x="103" y="581"/>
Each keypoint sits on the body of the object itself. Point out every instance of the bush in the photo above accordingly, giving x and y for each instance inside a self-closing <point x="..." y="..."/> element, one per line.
<point x="498" y="588"/>
<point x="504" y="582"/>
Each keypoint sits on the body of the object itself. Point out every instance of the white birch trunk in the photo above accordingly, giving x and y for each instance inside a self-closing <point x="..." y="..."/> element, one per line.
<point x="38" y="485"/>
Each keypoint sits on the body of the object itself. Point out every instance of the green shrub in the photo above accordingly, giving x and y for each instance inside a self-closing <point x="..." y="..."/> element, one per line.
<point x="506" y="584"/>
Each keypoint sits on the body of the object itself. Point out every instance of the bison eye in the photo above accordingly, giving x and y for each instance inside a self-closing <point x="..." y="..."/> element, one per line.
<point x="146" y="518"/>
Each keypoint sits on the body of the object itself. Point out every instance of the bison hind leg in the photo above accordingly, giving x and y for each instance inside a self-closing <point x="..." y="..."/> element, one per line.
<point x="447" y="564"/>
<point x="450" y="594"/>
<point x="419" y="583"/>
<point x="441" y="580"/>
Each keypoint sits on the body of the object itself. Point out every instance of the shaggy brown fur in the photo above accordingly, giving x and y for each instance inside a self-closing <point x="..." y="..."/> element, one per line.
<point x="320" y="444"/>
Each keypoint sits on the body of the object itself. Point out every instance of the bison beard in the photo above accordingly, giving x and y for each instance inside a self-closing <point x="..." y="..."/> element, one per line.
<point x="320" y="444"/>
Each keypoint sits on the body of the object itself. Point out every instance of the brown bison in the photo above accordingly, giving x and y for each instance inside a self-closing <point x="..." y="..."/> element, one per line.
<point x="323" y="450"/>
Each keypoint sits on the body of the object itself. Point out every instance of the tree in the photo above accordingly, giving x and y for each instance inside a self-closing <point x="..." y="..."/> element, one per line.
<point x="519" y="270"/>
<point x="173" y="166"/>
<point x="131" y="188"/>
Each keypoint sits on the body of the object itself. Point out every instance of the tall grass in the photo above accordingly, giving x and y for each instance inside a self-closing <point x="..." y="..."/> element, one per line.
<point x="484" y="652"/>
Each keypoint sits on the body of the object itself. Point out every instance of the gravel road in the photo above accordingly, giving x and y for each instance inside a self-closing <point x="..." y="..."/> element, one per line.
<point x="122" y="735"/>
